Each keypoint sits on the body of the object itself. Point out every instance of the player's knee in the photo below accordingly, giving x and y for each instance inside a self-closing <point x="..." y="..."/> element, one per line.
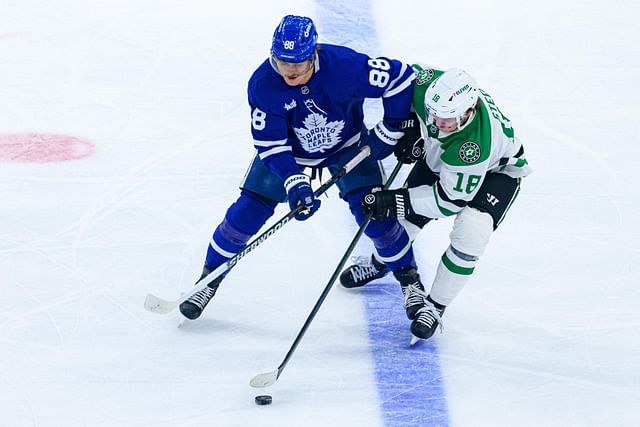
<point x="249" y="212"/>
<point x="471" y="232"/>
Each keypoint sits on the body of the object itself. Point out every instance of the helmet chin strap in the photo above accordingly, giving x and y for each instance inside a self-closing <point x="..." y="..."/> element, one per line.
<point x="462" y="122"/>
<point x="272" y="61"/>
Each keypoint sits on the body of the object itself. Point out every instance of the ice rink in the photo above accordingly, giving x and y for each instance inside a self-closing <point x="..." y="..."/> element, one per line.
<point x="124" y="133"/>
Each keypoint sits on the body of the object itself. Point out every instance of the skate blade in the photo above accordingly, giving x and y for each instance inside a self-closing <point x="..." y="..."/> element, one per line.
<point x="183" y="321"/>
<point x="414" y="340"/>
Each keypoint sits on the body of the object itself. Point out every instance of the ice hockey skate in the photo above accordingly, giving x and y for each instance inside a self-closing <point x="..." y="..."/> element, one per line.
<point x="363" y="271"/>
<point x="192" y="308"/>
<point x="427" y="320"/>
<point x="412" y="290"/>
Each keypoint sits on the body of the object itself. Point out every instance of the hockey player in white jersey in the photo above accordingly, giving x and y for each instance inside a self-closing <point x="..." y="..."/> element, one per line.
<point x="470" y="168"/>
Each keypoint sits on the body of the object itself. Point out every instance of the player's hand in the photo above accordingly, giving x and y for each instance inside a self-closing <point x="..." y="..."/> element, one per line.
<point x="384" y="204"/>
<point x="299" y="192"/>
<point x="410" y="148"/>
<point x="381" y="139"/>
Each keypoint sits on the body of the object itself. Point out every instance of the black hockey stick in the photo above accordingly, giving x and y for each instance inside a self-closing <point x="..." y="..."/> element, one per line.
<point x="158" y="305"/>
<point x="268" y="378"/>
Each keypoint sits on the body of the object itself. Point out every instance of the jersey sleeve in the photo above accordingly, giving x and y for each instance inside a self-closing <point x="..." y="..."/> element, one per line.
<point x="390" y="80"/>
<point x="397" y="98"/>
<point x="269" y="131"/>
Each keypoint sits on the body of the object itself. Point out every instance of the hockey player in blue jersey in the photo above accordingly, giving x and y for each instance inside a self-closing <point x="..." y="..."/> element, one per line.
<point x="306" y="104"/>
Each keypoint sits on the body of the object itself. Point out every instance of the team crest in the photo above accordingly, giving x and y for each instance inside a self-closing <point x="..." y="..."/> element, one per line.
<point x="424" y="76"/>
<point x="318" y="134"/>
<point x="469" y="152"/>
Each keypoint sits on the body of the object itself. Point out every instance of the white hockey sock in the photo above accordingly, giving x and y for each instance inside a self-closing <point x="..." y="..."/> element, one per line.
<point x="452" y="274"/>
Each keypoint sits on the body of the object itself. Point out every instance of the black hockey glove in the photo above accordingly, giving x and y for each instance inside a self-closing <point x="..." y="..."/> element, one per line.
<point x="384" y="204"/>
<point x="410" y="148"/>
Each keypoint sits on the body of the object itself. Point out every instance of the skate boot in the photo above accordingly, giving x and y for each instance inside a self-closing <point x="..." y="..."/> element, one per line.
<point x="412" y="289"/>
<point x="362" y="272"/>
<point x="427" y="319"/>
<point x="192" y="308"/>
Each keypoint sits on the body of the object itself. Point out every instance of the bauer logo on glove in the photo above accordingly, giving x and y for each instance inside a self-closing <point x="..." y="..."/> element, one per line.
<point x="299" y="192"/>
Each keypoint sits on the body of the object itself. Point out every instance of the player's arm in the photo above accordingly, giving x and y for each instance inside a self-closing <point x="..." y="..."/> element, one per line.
<point x="269" y="132"/>
<point x="455" y="187"/>
<point x="398" y="94"/>
<point x="269" y="129"/>
<point x="446" y="197"/>
<point x="390" y="80"/>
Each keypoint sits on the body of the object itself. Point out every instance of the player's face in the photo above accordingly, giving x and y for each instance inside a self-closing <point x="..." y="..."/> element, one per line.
<point x="450" y="125"/>
<point x="295" y="73"/>
<point x="446" y="125"/>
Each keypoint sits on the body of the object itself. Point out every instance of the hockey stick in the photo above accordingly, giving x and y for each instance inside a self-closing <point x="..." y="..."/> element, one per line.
<point x="158" y="305"/>
<point x="269" y="378"/>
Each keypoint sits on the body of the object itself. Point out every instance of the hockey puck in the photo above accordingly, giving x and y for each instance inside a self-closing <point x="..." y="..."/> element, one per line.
<point x="264" y="399"/>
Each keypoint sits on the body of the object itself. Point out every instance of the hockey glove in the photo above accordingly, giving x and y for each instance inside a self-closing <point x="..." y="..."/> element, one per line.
<point x="299" y="192"/>
<point x="410" y="148"/>
<point x="381" y="139"/>
<point x="384" y="204"/>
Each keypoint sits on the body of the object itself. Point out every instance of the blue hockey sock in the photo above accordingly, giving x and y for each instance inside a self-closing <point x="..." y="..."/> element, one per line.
<point x="243" y="220"/>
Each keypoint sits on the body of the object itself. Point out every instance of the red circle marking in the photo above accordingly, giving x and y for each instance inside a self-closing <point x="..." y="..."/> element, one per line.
<point x="42" y="148"/>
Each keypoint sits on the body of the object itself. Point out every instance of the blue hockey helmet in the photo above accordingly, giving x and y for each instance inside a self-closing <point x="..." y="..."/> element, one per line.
<point x="295" y="39"/>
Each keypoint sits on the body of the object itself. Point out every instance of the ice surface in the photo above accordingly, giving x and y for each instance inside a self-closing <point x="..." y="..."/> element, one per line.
<point x="547" y="333"/>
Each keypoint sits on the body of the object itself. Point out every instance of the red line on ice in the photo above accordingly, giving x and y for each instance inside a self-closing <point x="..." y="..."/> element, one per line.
<point x="43" y="148"/>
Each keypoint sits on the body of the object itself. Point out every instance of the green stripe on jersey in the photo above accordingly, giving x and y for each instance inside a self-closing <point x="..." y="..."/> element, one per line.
<point x="445" y="211"/>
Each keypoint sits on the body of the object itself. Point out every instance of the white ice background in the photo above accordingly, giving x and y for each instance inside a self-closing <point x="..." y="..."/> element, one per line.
<point x="547" y="332"/>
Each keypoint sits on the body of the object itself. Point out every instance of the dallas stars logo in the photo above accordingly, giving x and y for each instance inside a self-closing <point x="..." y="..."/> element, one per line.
<point x="469" y="152"/>
<point x="424" y="76"/>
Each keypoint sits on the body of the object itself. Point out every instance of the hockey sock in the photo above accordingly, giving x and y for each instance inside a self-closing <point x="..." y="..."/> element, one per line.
<point x="242" y="220"/>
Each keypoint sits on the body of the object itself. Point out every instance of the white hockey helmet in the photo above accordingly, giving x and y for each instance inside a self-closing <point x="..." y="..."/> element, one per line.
<point x="451" y="95"/>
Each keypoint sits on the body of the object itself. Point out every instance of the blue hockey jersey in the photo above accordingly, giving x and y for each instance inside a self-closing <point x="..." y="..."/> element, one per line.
<point x="305" y="125"/>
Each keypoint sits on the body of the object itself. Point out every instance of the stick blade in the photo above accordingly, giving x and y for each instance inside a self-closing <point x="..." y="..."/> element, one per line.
<point x="264" y="380"/>
<point x="158" y="305"/>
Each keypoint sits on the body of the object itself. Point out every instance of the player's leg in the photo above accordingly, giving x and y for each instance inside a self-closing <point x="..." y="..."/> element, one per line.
<point x="260" y="193"/>
<point x="469" y="238"/>
<point x="393" y="249"/>
<point x="365" y="271"/>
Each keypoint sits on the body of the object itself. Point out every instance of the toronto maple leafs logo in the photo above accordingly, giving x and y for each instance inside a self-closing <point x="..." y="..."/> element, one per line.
<point x="318" y="135"/>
